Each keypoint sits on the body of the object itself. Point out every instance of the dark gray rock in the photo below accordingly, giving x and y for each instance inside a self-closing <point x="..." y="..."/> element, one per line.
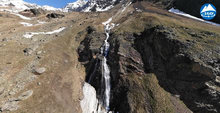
<point x="28" y="51"/>
<point x="55" y="15"/>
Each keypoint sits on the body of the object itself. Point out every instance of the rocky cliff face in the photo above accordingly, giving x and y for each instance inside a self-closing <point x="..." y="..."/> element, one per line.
<point x="157" y="68"/>
<point x="159" y="62"/>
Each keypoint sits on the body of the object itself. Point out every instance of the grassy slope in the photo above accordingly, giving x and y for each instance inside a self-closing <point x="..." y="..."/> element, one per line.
<point x="146" y="89"/>
<point x="205" y="36"/>
<point x="60" y="86"/>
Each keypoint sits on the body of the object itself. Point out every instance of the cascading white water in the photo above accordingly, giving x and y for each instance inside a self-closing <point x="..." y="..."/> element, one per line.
<point x="105" y="68"/>
<point x="106" y="75"/>
<point x="104" y="106"/>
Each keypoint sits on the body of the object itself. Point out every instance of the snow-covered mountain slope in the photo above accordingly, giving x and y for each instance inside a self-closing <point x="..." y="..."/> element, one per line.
<point x="50" y="8"/>
<point x="91" y="5"/>
<point x="16" y="5"/>
<point x="76" y="6"/>
<point x="20" y="5"/>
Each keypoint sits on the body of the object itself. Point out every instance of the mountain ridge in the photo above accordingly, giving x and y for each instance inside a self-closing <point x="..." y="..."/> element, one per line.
<point x="20" y="5"/>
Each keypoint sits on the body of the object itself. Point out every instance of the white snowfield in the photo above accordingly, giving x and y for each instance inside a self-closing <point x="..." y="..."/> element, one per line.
<point x="176" y="11"/>
<point x="31" y="34"/>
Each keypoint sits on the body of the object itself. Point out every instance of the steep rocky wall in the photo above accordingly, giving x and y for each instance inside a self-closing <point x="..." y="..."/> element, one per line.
<point x="179" y="72"/>
<point x="132" y="59"/>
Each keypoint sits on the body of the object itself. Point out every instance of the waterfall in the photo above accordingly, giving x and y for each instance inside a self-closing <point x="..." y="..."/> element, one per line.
<point x="105" y="68"/>
<point x="90" y="103"/>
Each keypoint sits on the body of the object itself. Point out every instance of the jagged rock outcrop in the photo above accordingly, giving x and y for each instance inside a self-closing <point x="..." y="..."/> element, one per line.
<point x="32" y="12"/>
<point x="55" y="15"/>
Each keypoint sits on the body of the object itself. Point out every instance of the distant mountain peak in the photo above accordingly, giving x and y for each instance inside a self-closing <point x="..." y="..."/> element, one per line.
<point x="76" y="6"/>
<point x="91" y="5"/>
<point x="20" y="5"/>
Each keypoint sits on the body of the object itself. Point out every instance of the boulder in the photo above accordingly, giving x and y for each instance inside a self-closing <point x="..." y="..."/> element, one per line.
<point x="25" y="95"/>
<point x="39" y="71"/>
<point x="28" y="51"/>
<point x="55" y="15"/>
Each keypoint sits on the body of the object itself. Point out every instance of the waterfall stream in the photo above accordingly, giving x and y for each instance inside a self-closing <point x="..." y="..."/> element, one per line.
<point x="90" y="103"/>
<point x="105" y="68"/>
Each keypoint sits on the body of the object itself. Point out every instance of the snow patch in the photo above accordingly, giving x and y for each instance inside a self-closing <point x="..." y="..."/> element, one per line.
<point x="31" y="34"/>
<point x="176" y="11"/>
<point x="14" y="12"/>
<point x="107" y="22"/>
<point x="89" y="103"/>
<point x="105" y="9"/>
<point x="40" y="22"/>
<point x="21" y="16"/>
<point x="29" y="24"/>
<point x="26" y="24"/>
<point x="55" y="31"/>
<point x="125" y="7"/>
